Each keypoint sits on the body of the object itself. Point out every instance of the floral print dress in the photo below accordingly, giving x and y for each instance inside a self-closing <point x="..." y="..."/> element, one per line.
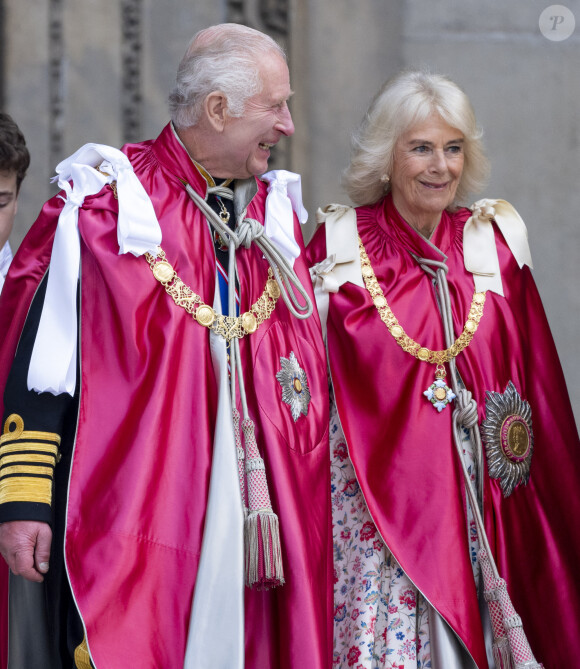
<point x="381" y="621"/>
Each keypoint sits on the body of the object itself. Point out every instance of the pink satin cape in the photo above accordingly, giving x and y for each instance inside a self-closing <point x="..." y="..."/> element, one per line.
<point x="402" y="448"/>
<point x="142" y="458"/>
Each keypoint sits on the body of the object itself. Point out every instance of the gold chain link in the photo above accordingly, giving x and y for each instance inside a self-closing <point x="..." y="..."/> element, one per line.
<point x="228" y="327"/>
<point x="394" y="327"/>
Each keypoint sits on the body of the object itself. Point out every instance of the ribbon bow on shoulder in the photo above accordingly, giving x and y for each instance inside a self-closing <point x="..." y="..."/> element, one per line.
<point x="341" y="245"/>
<point x="342" y="263"/>
<point x="284" y="198"/>
<point x="479" y="248"/>
<point x="54" y="356"/>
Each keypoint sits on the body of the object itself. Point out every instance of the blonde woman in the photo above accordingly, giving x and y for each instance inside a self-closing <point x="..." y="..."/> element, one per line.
<point x="454" y="449"/>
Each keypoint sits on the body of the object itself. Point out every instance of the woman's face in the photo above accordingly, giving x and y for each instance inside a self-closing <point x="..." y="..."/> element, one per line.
<point x="427" y="168"/>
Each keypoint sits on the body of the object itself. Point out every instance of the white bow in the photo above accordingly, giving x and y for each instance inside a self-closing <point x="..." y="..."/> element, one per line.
<point x="324" y="283"/>
<point x="479" y="248"/>
<point x="322" y="275"/>
<point x="342" y="242"/>
<point x="342" y="263"/>
<point x="284" y="197"/>
<point x="53" y="362"/>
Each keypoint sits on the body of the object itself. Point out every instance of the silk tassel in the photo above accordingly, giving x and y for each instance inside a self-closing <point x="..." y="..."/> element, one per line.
<point x="511" y="649"/>
<point x="241" y="456"/>
<point x="501" y="649"/>
<point x="263" y="551"/>
<point x="520" y="648"/>
<point x="501" y="654"/>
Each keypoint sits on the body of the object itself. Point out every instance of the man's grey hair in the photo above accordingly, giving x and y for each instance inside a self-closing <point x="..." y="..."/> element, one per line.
<point x="224" y="58"/>
<point x="403" y="101"/>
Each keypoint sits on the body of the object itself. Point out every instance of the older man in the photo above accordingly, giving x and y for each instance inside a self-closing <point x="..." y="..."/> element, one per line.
<point x="14" y="161"/>
<point x="182" y="448"/>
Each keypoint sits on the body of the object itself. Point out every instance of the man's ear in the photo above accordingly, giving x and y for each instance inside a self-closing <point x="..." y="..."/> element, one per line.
<point x="216" y="109"/>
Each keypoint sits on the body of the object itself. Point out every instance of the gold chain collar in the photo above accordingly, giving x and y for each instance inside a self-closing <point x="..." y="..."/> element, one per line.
<point x="439" y="393"/>
<point x="228" y="327"/>
<point x="401" y="337"/>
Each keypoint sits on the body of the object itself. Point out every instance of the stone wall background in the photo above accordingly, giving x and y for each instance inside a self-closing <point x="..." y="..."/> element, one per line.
<point x="87" y="70"/>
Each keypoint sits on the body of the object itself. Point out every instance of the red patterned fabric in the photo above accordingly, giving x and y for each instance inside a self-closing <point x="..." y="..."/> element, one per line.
<point x="402" y="448"/>
<point x="142" y="458"/>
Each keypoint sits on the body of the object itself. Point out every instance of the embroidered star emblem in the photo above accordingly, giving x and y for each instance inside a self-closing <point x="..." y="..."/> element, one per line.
<point x="508" y="438"/>
<point x="294" y="382"/>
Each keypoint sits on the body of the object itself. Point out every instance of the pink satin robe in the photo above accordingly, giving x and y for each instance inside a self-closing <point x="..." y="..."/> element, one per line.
<point x="141" y="465"/>
<point x="402" y="448"/>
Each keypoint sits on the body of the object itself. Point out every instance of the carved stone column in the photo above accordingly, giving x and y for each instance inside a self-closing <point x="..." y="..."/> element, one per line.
<point x="2" y="53"/>
<point x="56" y="78"/>
<point x="131" y="68"/>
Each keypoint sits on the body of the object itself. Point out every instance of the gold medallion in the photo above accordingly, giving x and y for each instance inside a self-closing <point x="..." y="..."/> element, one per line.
<point x="379" y="301"/>
<point x="249" y="322"/>
<point x="163" y="271"/>
<point x="517" y="438"/>
<point x="205" y="315"/>
<point x="479" y="298"/>
<point x="440" y="394"/>
<point x="397" y="331"/>
<point x="273" y="289"/>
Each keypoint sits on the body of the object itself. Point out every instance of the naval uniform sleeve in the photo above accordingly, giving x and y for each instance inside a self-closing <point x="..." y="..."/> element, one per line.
<point x="32" y="429"/>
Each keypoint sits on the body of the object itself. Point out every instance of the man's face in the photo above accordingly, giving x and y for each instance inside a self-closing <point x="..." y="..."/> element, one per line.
<point x="8" y="204"/>
<point x="248" y="139"/>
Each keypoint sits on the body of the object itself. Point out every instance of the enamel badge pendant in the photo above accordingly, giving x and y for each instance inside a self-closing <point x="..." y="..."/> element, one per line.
<point x="439" y="393"/>
<point x="294" y="384"/>
<point x="508" y="437"/>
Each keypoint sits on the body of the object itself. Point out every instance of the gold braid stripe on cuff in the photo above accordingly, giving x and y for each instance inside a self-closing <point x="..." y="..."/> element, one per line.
<point x="27" y="461"/>
<point x="228" y="327"/>
<point x="82" y="656"/>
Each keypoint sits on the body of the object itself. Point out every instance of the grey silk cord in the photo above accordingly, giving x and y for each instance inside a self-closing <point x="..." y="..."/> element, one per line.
<point x="465" y="411"/>
<point x="248" y="231"/>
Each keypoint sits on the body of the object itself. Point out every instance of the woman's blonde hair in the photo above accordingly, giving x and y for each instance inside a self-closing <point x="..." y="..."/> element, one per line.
<point x="403" y="101"/>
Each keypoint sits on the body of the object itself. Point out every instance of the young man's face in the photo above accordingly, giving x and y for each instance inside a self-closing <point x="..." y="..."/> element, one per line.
<point x="8" y="204"/>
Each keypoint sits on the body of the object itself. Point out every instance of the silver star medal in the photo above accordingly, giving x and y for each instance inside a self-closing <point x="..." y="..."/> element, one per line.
<point x="508" y="437"/>
<point x="294" y="384"/>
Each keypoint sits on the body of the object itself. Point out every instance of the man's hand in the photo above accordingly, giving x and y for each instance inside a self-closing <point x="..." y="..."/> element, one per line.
<point x="25" y="545"/>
